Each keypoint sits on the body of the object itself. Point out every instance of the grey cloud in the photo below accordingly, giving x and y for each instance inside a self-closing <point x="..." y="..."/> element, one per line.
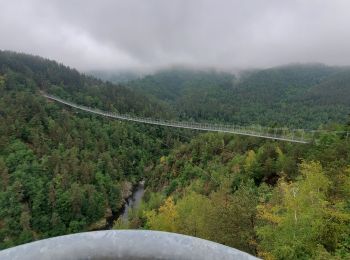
<point x="120" y="34"/>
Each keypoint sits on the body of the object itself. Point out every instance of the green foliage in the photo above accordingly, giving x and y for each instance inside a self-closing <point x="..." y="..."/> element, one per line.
<point x="192" y="210"/>
<point x="248" y="192"/>
<point x="63" y="171"/>
<point x="222" y="217"/>
<point x="296" y="222"/>
<point x="60" y="171"/>
<point x="27" y="72"/>
<point x="2" y="81"/>
<point x="231" y="218"/>
<point x="297" y="96"/>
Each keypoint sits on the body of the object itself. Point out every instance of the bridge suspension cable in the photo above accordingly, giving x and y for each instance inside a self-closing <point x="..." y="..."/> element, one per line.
<point x="282" y="134"/>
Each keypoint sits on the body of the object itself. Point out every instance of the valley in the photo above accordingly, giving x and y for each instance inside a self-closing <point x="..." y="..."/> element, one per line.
<point x="62" y="170"/>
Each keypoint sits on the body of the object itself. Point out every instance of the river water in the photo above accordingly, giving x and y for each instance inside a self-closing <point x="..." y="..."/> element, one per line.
<point x="133" y="202"/>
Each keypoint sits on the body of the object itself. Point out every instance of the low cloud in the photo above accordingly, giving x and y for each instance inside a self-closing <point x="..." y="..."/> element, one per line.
<point x="118" y="34"/>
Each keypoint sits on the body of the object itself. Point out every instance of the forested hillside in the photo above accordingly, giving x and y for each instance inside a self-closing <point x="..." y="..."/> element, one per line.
<point x="271" y="199"/>
<point x="61" y="171"/>
<point x="297" y="96"/>
<point x="23" y="70"/>
<point x="64" y="171"/>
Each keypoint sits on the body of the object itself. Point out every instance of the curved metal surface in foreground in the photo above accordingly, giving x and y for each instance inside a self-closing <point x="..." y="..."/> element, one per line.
<point x="124" y="244"/>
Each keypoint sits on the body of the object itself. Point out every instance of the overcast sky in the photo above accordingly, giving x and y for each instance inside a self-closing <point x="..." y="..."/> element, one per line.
<point x="124" y="34"/>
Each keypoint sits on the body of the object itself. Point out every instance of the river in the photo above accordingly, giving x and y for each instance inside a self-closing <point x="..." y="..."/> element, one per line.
<point x="133" y="201"/>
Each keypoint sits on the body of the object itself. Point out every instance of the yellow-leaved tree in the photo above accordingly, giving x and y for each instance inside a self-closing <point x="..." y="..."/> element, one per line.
<point x="165" y="219"/>
<point x="299" y="221"/>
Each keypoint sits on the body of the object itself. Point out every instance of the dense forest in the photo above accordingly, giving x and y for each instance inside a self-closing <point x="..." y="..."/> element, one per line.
<point x="271" y="199"/>
<point x="64" y="171"/>
<point x="297" y="96"/>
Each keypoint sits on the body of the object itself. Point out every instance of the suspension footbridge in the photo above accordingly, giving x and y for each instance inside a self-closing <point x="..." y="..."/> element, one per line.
<point x="282" y="134"/>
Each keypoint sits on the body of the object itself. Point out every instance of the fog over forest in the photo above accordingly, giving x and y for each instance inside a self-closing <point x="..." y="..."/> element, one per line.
<point x="229" y="34"/>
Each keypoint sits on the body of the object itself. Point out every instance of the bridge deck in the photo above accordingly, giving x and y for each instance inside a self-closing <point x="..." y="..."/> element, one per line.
<point x="282" y="134"/>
